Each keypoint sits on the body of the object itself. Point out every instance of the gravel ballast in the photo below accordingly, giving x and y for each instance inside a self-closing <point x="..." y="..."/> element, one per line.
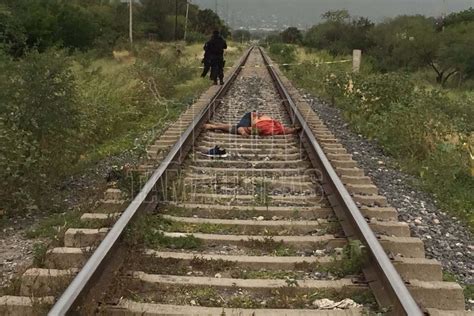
<point x="445" y="237"/>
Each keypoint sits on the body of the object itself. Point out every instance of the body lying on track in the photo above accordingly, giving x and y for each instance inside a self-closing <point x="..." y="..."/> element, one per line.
<point x="254" y="123"/>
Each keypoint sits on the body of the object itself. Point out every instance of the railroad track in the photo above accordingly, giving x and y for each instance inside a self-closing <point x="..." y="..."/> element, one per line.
<point x="277" y="228"/>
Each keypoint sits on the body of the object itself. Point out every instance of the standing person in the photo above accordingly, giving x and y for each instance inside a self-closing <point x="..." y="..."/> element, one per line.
<point x="206" y="61"/>
<point x="216" y="46"/>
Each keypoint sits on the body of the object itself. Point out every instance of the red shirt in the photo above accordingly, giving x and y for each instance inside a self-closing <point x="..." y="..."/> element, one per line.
<point x="270" y="127"/>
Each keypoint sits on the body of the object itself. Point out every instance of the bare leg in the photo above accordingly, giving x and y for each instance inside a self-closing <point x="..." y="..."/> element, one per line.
<point x="219" y="127"/>
<point x="292" y="130"/>
<point x="243" y="131"/>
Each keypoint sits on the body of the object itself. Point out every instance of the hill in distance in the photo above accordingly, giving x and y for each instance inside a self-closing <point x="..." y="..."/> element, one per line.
<point x="279" y="14"/>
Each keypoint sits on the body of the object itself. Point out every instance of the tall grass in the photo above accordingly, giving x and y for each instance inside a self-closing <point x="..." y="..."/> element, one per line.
<point x="61" y="113"/>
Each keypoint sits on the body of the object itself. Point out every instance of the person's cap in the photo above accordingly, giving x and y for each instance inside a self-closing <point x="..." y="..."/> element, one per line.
<point x="216" y="32"/>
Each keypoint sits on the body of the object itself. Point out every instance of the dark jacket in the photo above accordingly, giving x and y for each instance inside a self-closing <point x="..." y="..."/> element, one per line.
<point x="216" y="46"/>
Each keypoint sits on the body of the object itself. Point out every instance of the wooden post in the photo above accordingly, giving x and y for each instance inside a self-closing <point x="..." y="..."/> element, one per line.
<point x="356" y="60"/>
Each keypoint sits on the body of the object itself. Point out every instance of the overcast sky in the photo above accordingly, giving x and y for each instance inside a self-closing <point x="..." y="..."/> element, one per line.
<point x="307" y="12"/>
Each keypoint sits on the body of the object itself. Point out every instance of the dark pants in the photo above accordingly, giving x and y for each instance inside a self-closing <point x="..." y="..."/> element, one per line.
<point x="245" y="121"/>
<point x="217" y="68"/>
<point x="207" y="67"/>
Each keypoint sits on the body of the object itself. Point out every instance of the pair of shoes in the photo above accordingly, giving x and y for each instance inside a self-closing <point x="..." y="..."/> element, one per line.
<point x="216" y="152"/>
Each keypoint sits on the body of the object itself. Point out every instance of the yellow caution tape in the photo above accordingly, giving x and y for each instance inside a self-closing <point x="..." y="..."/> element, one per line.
<point x="271" y="65"/>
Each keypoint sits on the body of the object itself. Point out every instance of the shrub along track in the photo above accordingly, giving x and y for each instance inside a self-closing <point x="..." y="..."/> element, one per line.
<point x="271" y="229"/>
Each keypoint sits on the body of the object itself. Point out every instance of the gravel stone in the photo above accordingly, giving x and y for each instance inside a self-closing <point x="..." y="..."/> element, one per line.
<point x="445" y="237"/>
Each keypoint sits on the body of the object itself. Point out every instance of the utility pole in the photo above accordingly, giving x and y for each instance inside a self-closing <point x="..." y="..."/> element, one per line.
<point x="131" y="21"/>
<point x="187" y="17"/>
<point x="176" y="23"/>
<point x="216" y="6"/>
<point x="445" y="13"/>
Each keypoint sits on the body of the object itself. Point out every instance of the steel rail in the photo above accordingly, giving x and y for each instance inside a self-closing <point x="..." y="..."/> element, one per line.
<point x="393" y="287"/>
<point x="87" y="276"/>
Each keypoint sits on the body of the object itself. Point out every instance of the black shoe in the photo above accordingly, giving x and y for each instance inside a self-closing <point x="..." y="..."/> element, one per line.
<point x="222" y="82"/>
<point x="215" y="152"/>
<point x="215" y="82"/>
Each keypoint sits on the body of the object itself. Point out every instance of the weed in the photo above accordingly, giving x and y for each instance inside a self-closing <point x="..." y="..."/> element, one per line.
<point x="178" y="192"/>
<point x="269" y="245"/>
<point x="205" y="296"/>
<point x="130" y="181"/>
<point x="262" y="193"/>
<point x="467" y="288"/>
<point x="39" y="254"/>
<point x="352" y="260"/>
<point x="146" y="232"/>
<point x="55" y="226"/>
<point x="243" y="301"/>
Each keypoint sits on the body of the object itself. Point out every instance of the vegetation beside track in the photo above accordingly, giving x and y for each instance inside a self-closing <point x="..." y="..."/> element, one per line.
<point x="73" y="91"/>
<point x="414" y="94"/>
<point x="426" y="128"/>
<point x="64" y="113"/>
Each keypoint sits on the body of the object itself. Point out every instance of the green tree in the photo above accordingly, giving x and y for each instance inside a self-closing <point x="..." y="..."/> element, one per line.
<point x="459" y="17"/>
<point x="409" y="42"/>
<point x="241" y="35"/>
<point x="12" y="33"/>
<point x="273" y="38"/>
<point x="291" y="35"/>
<point x="336" y="16"/>
<point x="340" y="34"/>
<point x="79" y="27"/>
<point x="456" y="55"/>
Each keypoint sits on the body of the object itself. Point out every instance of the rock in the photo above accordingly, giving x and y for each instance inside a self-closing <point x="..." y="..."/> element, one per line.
<point x="319" y="252"/>
<point x="338" y="251"/>
<point x="218" y="275"/>
<point x="329" y="304"/>
<point x="436" y="221"/>
<point x="260" y="218"/>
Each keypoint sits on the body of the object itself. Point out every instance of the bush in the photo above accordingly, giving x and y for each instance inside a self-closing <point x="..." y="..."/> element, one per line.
<point x="285" y="54"/>
<point x="423" y="128"/>
<point x="107" y="106"/>
<point x="195" y="37"/>
<point x="162" y="71"/>
<point x="39" y="118"/>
